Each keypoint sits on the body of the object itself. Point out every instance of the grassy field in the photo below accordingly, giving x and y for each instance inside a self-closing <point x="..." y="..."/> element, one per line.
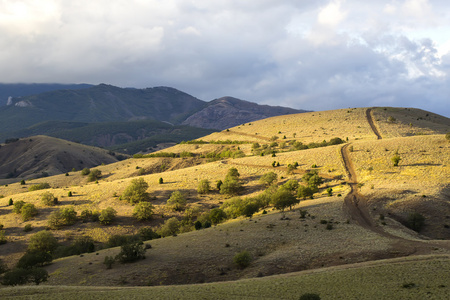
<point x="406" y="278"/>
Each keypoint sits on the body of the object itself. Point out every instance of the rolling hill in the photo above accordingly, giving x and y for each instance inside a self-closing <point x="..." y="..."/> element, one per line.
<point x="359" y="229"/>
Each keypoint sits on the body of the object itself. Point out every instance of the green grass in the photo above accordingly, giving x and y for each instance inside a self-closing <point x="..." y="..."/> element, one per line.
<point x="418" y="278"/>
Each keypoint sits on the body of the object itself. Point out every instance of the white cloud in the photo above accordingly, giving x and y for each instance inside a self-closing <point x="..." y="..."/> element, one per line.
<point x="331" y="15"/>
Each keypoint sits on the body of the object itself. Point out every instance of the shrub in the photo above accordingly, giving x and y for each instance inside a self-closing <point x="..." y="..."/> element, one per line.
<point x="291" y="185"/>
<point x="396" y="159"/>
<point x="28" y="211"/>
<point x="416" y="221"/>
<point x="146" y="233"/>
<point x="69" y="194"/>
<point x="22" y="276"/>
<point x="28" y="228"/>
<point x="108" y="261"/>
<point x="231" y="186"/>
<point x="268" y="178"/>
<point x="107" y="216"/>
<point x="143" y="211"/>
<point x="40" y="186"/>
<point x="85" y="171"/>
<point x="177" y="201"/>
<point x="42" y="241"/>
<point x="219" y="184"/>
<point x="170" y="227"/>
<point x="34" y="259"/>
<point x="131" y="252"/>
<point x="49" y="199"/>
<point x="160" y="180"/>
<point x="309" y="296"/>
<point x="216" y="215"/>
<point x="330" y="191"/>
<point x="22" y="182"/>
<point x="117" y="240"/>
<point x="3" y="267"/>
<point x="94" y="175"/>
<point x="2" y="237"/>
<point x="283" y="198"/>
<point x="447" y="136"/>
<point x="242" y="259"/>
<point x="86" y="215"/>
<point x="10" y="202"/>
<point x="203" y="186"/>
<point x="18" y="206"/>
<point x="136" y="191"/>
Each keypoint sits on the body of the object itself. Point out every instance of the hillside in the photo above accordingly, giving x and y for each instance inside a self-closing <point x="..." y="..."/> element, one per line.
<point x="365" y="219"/>
<point x="41" y="156"/>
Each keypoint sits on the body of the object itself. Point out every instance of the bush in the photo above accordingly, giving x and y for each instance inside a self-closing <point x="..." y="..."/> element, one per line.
<point x="22" y="182"/>
<point x="216" y="215"/>
<point x="107" y="216"/>
<point x="330" y="191"/>
<point x="49" y="199"/>
<point x="283" y="198"/>
<point x="170" y="227"/>
<point x="22" y="276"/>
<point x="146" y="233"/>
<point x="18" y="206"/>
<point x="94" y="175"/>
<point x="231" y="186"/>
<point x="177" y="201"/>
<point x="120" y="240"/>
<point x="34" y="259"/>
<point x="85" y="171"/>
<point x="108" y="261"/>
<point x="28" y="211"/>
<point x="2" y="237"/>
<point x="242" y="259"/>
<point x="447" y="136"/>
<point x="28" y="228"/>
<point x="203" y="186"/>
<point x="63" y="217"/>
<point x="131" y="252"/>
<point x="268" y="178"/>
<point x="309" y="296"/>
<point x="396" y="159"/>
<point x="42" y="241"/>
<point x="136" y="191"/>
<point x="40" y="186"/>
<point x="160" y="180"/>
<point x="219" y="184"/>
<point x="416" y="221"/>
<point x="3" y="267"/>
<point x="143" y="211"/>
<point x="10" y="202"/>
<point x="291" y="185"/>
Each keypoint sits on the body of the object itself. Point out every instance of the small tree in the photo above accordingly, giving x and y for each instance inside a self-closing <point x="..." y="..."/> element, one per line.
<point x="216" y="215"/>
<point x="170" y="227"/>
<point x="94" y="175"/>
<point x="18" y="206"/>
<point x="268" y="178"/>
<point x="304" y="192"/>
<point x="242" y="259"/>
<point x="136" y="191"/>
<point x="291" y="185"/>
<point x="49" y="199"/>
<point x="330" y="191"/>
<point x="43" y="241"/>
<point x="283" y="198"/>
<point x="203" y="186"/>
<point x="28" y="211"/>
<point x="143" y="211"/>
<point x="109" y="261"/>
<point x="160" y="180"/>
<point x="10" y="202"/>
<point x="131" y="252"/>
<point x="396" y="159"/>
<point x="107" y="216"/>
<point x="34" y="259"/>
<point x="219" y="184"/>
<point x="22" y="182"/>
<point x="177" y="201"/>
<point x="2" y="237"/>
<point x="85" y="171"/>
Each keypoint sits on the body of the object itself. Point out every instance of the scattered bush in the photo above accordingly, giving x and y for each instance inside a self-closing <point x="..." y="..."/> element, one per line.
<point x="49" y="199"/>
<point x="268" y="178"/>
<point x="242" y="259"/>
<point x="107" y="216"/>
<point x="10" y="202"/>
<point x="177" y="201"/>
<point x="40" y="186"/>
<point x="85" y="171"/>
<point x="170" y="227"/>
<point x="136" y="191"/>
<point x="2" y="237"/>
<point x="203" y="186"/>
<point x="330" y="191"/>
<point x="160" y="180"/>
<point x="18" y="206"/>
<point x="28" y="211"/>
<point x="22" y="182"/>
<point x="42" y="241"/>
<point x="216" y="215"/>
<point x="117" y="240"/>
<point x="291" y="185"/>
<point x="131" y="252"/>
<point x="63" y="217"/>
<point x="143" y="211"/>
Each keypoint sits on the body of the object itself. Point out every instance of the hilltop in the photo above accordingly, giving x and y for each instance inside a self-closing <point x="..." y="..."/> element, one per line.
<point x="365" y="219"/>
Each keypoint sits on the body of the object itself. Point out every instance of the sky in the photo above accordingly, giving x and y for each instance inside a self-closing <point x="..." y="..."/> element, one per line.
<point x="305" y="54"/>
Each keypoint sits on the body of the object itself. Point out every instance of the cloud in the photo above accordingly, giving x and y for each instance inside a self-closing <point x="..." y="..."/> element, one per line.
<point x="305" y="54"/>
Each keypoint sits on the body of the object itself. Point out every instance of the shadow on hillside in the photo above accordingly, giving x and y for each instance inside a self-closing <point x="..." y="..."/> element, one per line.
<point x="422" y="164"/>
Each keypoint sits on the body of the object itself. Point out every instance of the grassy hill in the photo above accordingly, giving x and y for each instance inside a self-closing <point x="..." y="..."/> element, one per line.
<point x="362" y="221"/>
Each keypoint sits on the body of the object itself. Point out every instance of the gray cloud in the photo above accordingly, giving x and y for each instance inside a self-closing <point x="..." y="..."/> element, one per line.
<point x="305" y="54"/>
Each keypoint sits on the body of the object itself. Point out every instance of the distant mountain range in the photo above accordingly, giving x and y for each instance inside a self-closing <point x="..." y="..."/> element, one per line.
<point x="109" y="116"/>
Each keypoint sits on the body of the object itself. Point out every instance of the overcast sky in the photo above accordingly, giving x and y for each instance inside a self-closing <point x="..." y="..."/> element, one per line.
<point x="306" y="54"/>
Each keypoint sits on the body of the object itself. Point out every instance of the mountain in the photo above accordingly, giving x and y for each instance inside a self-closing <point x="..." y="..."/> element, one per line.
<point x="39" y="156"/>
<point x="228" y="112"/>
<point x="9" y="90"/>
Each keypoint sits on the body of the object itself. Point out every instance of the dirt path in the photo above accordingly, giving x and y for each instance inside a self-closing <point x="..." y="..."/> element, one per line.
<point x="372" y="123"/>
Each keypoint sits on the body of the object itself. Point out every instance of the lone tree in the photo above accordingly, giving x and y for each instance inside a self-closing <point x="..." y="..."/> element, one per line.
<point x="136" y="191"/>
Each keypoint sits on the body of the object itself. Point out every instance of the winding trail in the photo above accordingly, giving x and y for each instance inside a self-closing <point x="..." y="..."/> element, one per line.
<point x="369" y="117"/>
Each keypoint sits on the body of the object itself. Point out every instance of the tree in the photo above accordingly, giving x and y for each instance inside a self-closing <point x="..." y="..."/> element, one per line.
<point x="131" y="252"/>
<point x="85" y="171"/>
<point x="291" y="185"/>
<point x="94" y="175"/>
<point x="233" y="172"/>
<point x="107" y="216"/>
<point x="203" y="186"/>
<point x="219" y="184"/>
<point x="242" y="259"/>
<point x="283" y="198"/>
<point x="268" y="178"/>
<point x="177" y="201"/>
<point x="18" y="206"/>
<point x="43" y="241"/>
<point x="22" y="276"/>
<point x="49" y="199"/>
<point x="34" y="259"/>
<point x="330" y="191"/>
<point x="396" y="159"/>
<point x="136" y="191"/>
<point x="28" y="211"/>
<point x="160" y="180"/>
<point x="304" y="192"/>
<point x="143" y="211"/>
<point x="170" y="227"/>
<point x="216" y="215"/>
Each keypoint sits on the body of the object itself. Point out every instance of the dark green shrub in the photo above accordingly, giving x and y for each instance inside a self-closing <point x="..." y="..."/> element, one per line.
<point x="22" y="276"/>
<point x="34" y="259"/>
<point x="94" y="175"/>
<point x="11" y="202"/>
<point x="396" y="159"/>
<point x="330" y="191"/>
<point x="42" y="241"/>
<point x="303" y="214"/>
<point x="203" y="187"/>
<point x="283" y="198"/>
<point x="40" y="186"/>
<point x="28" y="228"/>
<point x="85" y="171"/>
<point x="250" y="208"/>
<point x="170" y="227"/>
<point x="198" y="225"/>
<point x="22" y="182"/>
<point x="86" y="215"/>
<point x="107" y="216"/>
<point x="177" y="201"/>
<point x="3" y="267"/>
<point x="18" y="206"/>
<point x="415" y="221"/>
<point x="216" y="215"/>
<point x="131" y="252"/>
<point x="3" y="239"/>
<point x="219" y="184"/>
<point x="242" y="259"/>
<point x="146" y="233"/>
<point x="231" y="186"/>
<point x="304" y="192"/>
<point x="160" y="180"/>
<point x="120" y="240"/>
<point x="309" y="296"/>
<point x="28" y="211"/>
<point x="49" y="199"/>
<point x="136" y="191"/>
<point x="268" y="178"/>
<point x="291" y="185"/>
<point x="69" y="194"/>
<point x="143" y="211"/>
